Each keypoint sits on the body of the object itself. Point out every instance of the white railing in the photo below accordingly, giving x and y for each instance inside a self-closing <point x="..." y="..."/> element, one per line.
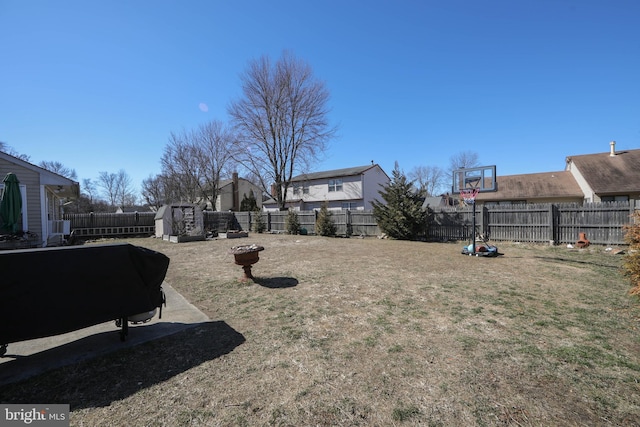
<point x="60" y="227"/>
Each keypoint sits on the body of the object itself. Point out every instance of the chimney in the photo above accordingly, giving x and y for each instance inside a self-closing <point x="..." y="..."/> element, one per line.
<point x="236" y="192"/>
<point x="613" y="149"/>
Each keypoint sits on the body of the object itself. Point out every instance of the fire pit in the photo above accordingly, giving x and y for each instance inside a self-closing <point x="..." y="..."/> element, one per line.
<point x="246" y="256"/>
<point x="582" y="242"/>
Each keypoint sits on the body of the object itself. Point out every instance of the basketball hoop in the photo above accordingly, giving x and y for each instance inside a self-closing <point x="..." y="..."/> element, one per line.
<point x="469" y="195"/>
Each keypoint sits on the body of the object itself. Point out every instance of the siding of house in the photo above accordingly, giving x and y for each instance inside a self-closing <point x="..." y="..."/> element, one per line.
<point x="319" y="193"/>
<point x="582" y="183"/>
<point x="245" y="188"/>
<point x="224" y="202"/>
<point x="31" y="180"/>
<point x="373" y="182"/>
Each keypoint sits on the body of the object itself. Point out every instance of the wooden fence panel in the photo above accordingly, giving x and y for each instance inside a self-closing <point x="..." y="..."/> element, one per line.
<point x="108" y="219"/>
<point x="244" y="219"/>
<point x="220" y="221"/>
<point x="278" y="221"/>
<point x="453" y="223"/>
<point x="363" y="223"/>
<point x="342" y="221"/>
<point x="601" y="222"/>
<point x="307" y="220"/>
<point x="520" y="223"/>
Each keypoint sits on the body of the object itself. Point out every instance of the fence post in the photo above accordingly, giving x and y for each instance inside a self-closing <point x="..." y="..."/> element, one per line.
<point x="553" y="223"/>
<point x="484" y="217"/>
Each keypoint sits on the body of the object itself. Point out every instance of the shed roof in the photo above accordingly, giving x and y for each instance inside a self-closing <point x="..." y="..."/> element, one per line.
<point x="534" y="185"/>
<point x="610" y="174"/>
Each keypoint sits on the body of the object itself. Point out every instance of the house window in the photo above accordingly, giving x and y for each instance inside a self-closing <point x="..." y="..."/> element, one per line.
<point x="506" y="203"/>
<point x="301" y="189"/>
<point x="335" y="185"/>
<point x="350" y="205"/>
<point x="614" y="199"/>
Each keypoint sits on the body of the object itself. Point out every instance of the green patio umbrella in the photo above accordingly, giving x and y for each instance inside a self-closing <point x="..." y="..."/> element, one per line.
<point x="11" y="204"/>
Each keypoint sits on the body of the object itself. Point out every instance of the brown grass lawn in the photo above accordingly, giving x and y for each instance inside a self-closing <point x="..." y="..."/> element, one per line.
<point x="373" y="332"/>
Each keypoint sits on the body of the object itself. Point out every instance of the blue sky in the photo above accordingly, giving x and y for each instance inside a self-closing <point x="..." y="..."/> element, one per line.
<point x="99" y="85"/>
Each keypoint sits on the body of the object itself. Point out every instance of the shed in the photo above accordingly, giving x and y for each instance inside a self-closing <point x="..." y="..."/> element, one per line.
<point x="179" y="220"/>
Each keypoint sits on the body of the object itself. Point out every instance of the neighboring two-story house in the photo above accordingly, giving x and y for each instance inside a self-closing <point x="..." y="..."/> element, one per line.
<point x="232" y="191"/>
<point x="350" y="188"/>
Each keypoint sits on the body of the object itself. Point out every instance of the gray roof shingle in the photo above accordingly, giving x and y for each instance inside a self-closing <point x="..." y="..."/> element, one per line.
<point x="336" y="173"/>
<point x="607" y="174"/>
<point x="534" y="185"/>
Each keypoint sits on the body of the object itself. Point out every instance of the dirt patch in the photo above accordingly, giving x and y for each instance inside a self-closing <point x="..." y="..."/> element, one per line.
<point x="373" y="332"/>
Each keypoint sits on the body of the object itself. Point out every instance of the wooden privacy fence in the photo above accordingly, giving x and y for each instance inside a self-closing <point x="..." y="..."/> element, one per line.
<point x="538" y="223"/>
<point x="347" y="222"/>
<point x="111" y="224"/>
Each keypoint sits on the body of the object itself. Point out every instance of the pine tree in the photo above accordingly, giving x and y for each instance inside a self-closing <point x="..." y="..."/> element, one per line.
<point x="259" y="226"/>
<point x="324" y="224"/>
<point x="248" y="204"/>
<point x="402" y="216"/>
<point x="292" y="222"/>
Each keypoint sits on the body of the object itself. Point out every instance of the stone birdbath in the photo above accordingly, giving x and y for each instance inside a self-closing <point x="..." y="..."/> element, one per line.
<point x="246" y="256"/>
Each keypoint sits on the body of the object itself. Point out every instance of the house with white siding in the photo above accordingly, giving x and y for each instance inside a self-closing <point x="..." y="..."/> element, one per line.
<point x="350" y="188"/>
<point x="43" y="193"/>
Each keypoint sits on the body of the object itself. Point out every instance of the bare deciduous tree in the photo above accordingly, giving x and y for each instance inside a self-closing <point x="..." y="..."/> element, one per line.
<point x="89" y="189"/>
<point x="463" y="159"/>
<point x="281" y="119"/>
<point x="126" y="194"/>
<point x="179" y="165"/>
<point x="109" y="185"/>
<point x="430" y="179"/>
<point x="215" y="145"/>
<point x="153" y="191"/>
<point x="59" y="168"/>
<point x="117" y="188"/>
<point x="194" y="161"/>
<point x="5" y="148"/>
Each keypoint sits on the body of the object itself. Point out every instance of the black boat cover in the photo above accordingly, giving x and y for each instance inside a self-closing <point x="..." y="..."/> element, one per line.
<point x="51" y="291"/>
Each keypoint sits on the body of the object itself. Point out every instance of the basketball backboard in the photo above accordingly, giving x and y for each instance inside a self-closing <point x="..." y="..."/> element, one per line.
<point x="483" y="178"/>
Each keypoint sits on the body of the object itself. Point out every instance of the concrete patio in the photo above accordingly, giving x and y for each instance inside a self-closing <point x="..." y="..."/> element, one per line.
<point x="28" y="358"/>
